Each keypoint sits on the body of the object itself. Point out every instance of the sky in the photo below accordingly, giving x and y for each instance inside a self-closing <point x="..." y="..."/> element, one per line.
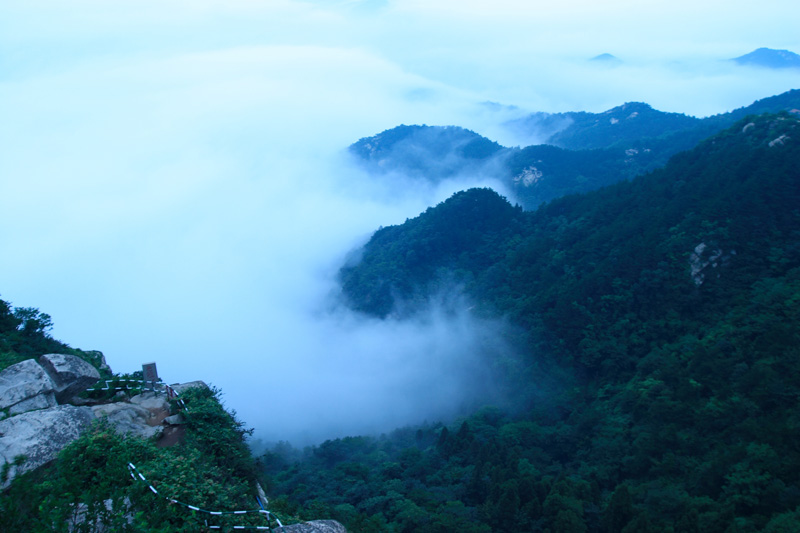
<point x="175" y="186"/>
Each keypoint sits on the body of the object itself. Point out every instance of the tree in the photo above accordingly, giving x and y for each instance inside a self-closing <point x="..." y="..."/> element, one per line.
<point x="619" y="510"/>
<point x="32" y="321"/>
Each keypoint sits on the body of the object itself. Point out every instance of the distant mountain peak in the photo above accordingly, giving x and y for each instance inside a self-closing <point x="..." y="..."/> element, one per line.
<point x="606" y="58"/>
<point x="769" y="58"/>
<point x="429" y="151"/>
<point x="630" y="108"/>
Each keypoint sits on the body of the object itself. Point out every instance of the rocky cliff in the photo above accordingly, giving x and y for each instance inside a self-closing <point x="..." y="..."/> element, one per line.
<point x="41" y="412"/>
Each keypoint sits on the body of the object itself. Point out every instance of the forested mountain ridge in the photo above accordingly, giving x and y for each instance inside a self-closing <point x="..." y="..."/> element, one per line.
<point x="636" y="121"/>
<point x="672" y="301"/>
<point x="478" y="224"/>
<point x="626" y="123"/>
<point x="582" y="151"/>
<point x="424" y="151"/>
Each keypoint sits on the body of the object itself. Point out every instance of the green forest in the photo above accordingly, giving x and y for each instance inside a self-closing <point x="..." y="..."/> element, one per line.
<point x="657" y="375"/>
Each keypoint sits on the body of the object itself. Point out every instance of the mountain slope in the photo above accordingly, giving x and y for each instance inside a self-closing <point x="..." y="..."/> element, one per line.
<point x="695" y="187"/>
<point x="424" y="151"/>
<point x="590" y="150"/>
<point x="638" y="122"/>
<point x="622" y="124"/>
<point x="674" y="302"/>
<point x="769" y="58"/>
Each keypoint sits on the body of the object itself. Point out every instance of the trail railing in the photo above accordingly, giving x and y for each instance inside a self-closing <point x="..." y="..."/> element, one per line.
<point x="138" y="476"/>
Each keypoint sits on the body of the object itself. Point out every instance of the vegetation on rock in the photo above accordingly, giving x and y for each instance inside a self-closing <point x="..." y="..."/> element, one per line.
<point x="89" y="486"/>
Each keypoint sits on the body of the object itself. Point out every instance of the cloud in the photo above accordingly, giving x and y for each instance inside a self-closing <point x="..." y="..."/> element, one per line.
<point x="352" y="375"/>
<point x="174" y="189"/>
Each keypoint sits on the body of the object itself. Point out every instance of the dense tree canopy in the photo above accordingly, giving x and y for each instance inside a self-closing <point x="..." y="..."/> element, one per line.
<point x="669" y="307"/>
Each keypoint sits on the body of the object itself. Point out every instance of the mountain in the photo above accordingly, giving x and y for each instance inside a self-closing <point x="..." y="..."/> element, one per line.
<point x="769" y="58"/>
<point x="623" y="124"/>
<point x="438" y="239"/>
<point x="606" y="59"/>
<point x="424" y="151"/>
<point x="657" y="385"/>
<point x="638" y="122"/>
<point x="582" y="151"/>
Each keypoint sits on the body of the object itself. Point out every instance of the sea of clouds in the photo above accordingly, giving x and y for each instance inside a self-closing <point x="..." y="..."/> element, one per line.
<point x="175" y="185"/>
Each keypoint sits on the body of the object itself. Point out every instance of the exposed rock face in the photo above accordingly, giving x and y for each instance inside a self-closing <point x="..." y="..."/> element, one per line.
<point x="70" y="374"/>
<point x="151" y="400"/>
<point x="38" y="436"/>
<point x="24" y="387"/>
<point x="180" y="387"/>
<point x="780" y="141"/>
<point x="103" y="366"/>
<point x="529" y="176"/>
<point x="40" y="401"/>
<point x="127" y="418"/>
<point x="175" y="420"/>
<point x="702" y="257"/>
<point x="316" y="526"/>
<point x="38" y="428"/>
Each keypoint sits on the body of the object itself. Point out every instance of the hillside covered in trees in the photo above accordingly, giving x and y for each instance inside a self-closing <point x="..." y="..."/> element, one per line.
<point x="578" y="152"/>
<point x="658" y="321"/>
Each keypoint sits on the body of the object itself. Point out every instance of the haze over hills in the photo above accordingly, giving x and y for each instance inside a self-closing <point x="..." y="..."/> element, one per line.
<point x="625" y="123"/>
<point x="581" y="151"/>
<point x="652" y="386"/>
<point x="769" y="58"/>
<point x="175" y="188"/>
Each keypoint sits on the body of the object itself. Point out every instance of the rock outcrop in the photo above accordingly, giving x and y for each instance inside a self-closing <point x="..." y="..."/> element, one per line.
<point x="151" y="401"/>
<point x="38" y="436"/>
<point x="25" y="387"/>
<point x="37" y="428"/>
<point x="39" y="422"/>
<point x="703" y="257"/>
<point x="70" y="374"/>
<point x="128" y="419"/>
<point x="180" y="387"/>
<point x="315" y="526"/>
<point x="175" y="420"/>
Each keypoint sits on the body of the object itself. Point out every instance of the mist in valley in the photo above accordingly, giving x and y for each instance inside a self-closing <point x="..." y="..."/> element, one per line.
<point x="176" y="186"/>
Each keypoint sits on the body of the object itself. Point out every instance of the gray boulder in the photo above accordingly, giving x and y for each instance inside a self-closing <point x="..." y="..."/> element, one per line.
<point x="24" y="387"/>
<point x="70" y="374"/>
<point x="175" y="420"/>
<point x="38" y="436"/>
<point x="40" y="401"/>
<point x="151" y="400"/>
<point x="128" y="419"/>
<point x="180" y="387"/>
<point x="315" y="526"/>
<point x="97" y="355"/>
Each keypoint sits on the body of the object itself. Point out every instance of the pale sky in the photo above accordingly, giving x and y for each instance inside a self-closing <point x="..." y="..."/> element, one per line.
<point x="173" y="187"/>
